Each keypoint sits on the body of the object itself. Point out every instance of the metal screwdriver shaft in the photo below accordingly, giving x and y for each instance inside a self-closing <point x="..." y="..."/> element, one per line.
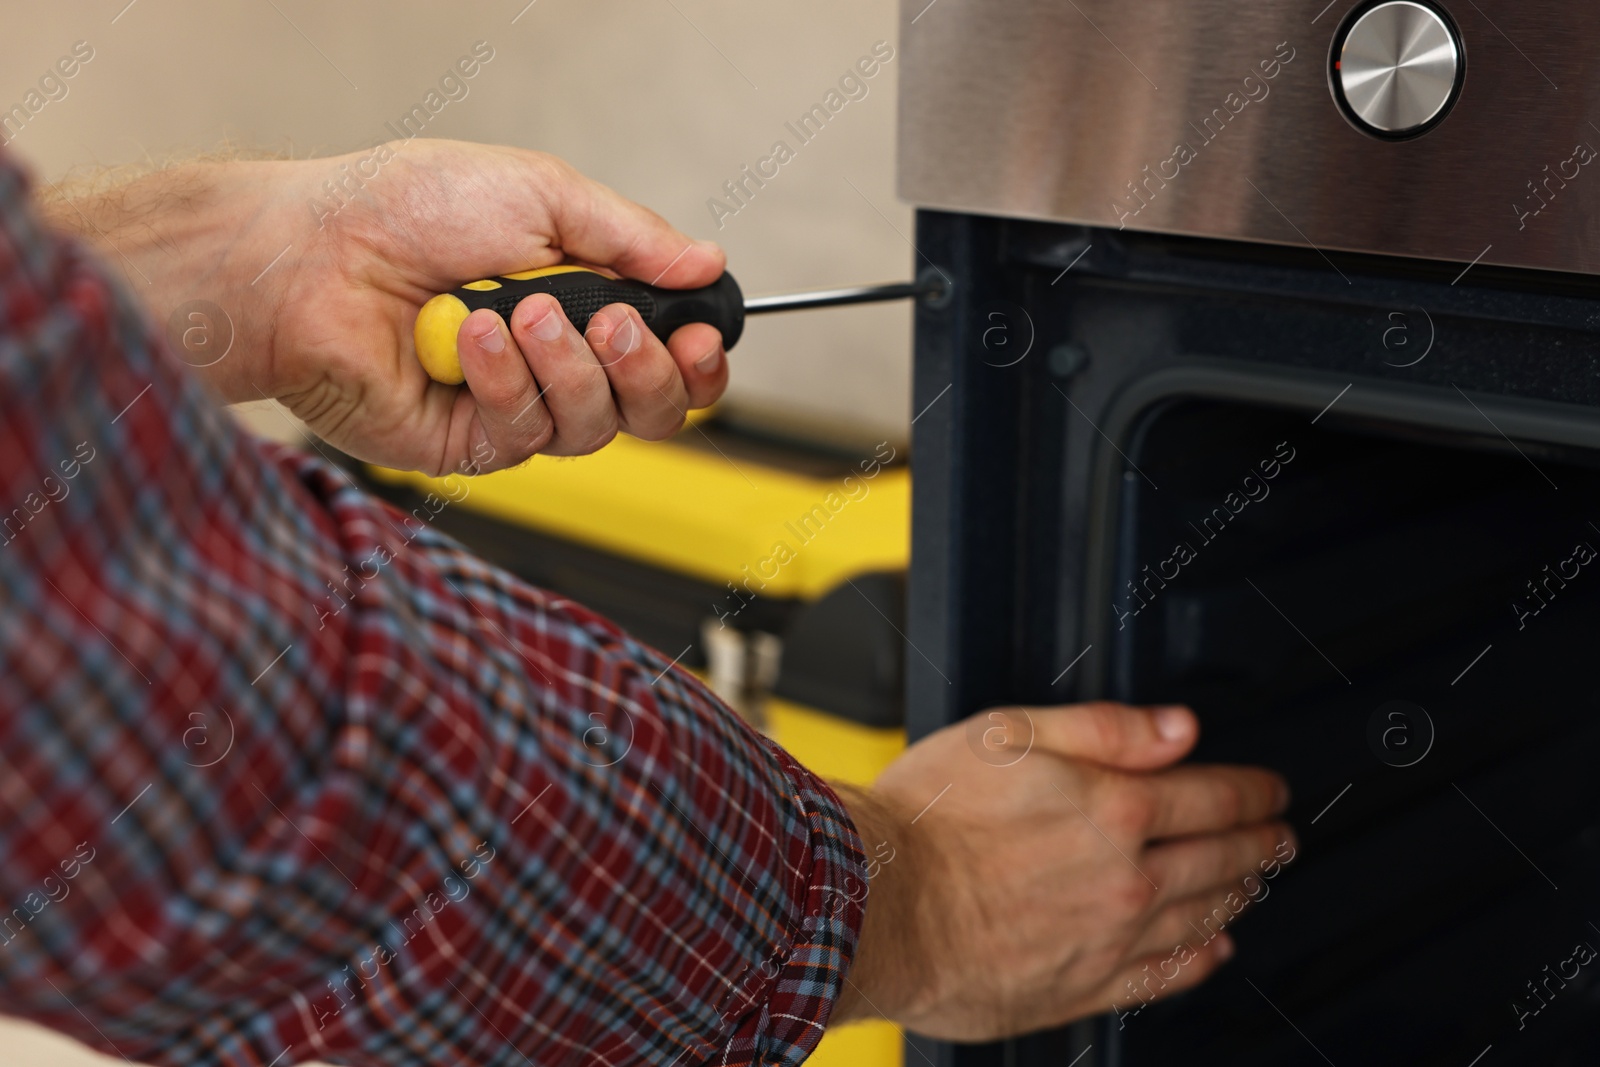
<point x="822" y="298"/>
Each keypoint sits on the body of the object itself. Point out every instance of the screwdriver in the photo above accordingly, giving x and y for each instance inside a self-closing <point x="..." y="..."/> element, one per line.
<point x="581" y="292"/>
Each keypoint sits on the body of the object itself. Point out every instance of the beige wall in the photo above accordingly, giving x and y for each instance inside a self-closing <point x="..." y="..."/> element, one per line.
<point x="662" y="99"/>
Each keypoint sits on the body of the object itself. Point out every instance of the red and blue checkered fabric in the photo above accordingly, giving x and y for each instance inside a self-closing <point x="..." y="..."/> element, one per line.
<point x="285" y="775"/>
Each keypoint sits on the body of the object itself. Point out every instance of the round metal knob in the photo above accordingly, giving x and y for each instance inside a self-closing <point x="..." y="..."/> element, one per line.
<point x="1398" y="67"/>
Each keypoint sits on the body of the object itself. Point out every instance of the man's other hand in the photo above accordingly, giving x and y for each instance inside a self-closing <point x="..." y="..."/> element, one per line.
<point x="1034" y="866"/>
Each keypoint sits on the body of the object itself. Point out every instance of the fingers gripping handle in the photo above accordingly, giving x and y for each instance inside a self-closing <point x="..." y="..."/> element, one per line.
<point x="581" y="292"/>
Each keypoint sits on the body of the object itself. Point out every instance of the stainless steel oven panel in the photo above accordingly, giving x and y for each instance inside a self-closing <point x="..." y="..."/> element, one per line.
<point x="1062" y="109"/>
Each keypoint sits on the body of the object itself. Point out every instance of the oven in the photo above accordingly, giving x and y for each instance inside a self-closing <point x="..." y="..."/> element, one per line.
<point x="1268" y="381"/>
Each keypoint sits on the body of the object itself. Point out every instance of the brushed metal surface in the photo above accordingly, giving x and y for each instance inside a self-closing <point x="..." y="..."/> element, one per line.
<point x="1216" y="118"/>
<point x="1398" y="66"/>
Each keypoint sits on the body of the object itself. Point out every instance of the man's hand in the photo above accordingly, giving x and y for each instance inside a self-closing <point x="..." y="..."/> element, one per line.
<point x="321" y="284"/>
<point x="1048" y="864"/>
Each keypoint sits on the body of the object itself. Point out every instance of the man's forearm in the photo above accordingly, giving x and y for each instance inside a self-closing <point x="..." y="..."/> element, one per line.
<point x="193" y="242"/>
<point x="885" y="973"/>
<point x="345" y="786"/>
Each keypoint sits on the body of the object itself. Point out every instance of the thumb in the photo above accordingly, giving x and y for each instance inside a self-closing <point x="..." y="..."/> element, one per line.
<point x="1117" y="735"/>
<point x="598" y="226"/>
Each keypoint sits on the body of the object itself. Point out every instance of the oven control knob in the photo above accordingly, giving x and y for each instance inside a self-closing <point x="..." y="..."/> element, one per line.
<point x="1397" y="68"/>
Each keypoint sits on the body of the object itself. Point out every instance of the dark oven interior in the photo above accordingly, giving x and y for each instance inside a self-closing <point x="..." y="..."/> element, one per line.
<point x="1402" y="623"/>
<point x="1206" y="473"/>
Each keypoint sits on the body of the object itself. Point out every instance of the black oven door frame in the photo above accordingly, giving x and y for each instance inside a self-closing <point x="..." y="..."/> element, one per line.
<point x="1025" y="382"/>
<point x="1196" y="378"/>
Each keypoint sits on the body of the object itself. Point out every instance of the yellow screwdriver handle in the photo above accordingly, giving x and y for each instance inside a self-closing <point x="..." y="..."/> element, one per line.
<point x="581" y="292"/>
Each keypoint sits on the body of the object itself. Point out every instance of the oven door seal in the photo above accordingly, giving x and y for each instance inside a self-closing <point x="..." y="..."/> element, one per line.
<point x="1543" y="421"/>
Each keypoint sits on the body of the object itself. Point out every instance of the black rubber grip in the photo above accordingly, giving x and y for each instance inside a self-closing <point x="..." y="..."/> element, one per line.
<point x="581" y="293"/>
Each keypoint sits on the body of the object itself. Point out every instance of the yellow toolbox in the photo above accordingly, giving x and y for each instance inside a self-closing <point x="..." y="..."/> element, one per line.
<point x="776" y="572"/>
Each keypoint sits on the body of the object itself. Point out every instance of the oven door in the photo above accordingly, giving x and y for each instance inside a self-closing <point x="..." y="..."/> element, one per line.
<point x="1390" y="608"/>
<point x="1205" y="478"/>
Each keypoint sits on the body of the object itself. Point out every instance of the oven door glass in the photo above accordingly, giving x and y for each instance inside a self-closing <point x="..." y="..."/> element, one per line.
<point x="1407" y="625"/>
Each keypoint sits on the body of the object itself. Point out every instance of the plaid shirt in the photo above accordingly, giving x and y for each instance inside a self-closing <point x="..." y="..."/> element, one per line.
<point x="285" y="775"/>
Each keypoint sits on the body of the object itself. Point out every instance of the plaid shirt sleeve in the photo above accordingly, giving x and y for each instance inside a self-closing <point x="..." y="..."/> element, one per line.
<point x="285" y="775"/>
